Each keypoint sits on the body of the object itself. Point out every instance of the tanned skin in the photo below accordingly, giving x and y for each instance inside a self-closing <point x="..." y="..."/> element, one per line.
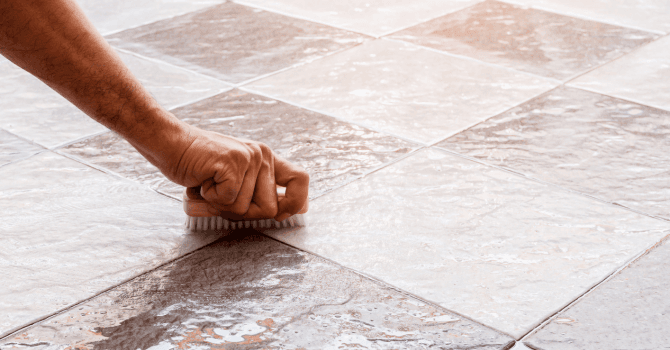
<point x="54" y="41"/>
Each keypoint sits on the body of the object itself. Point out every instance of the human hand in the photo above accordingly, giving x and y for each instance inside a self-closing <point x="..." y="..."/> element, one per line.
<point x="239" y="176"/>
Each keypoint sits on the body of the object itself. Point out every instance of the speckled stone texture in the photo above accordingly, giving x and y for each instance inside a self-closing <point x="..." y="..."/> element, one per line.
<point x="490" y="245"/>
<point x="247" y="291"/>
<point x="68" y="231"/>
<point x="526" y="39"/>
<point x="404" y="89"/>
<point x="331" y="151"/>
<point x="234" y="42"/>
<point x="602" y="146"/>
<point x="631" y="311"/>
<point x="13" y="148"/>
<point x="647" y="72"/>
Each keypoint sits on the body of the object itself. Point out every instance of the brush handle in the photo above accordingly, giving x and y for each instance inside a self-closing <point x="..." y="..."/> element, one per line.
<point x="196" y="206"/>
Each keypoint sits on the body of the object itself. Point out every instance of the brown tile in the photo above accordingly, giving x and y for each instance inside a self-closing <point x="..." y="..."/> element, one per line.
<point x="609" y="148"/>
<point x="234" y="42"/>
<point x="530" y="40"/>
<point x="331" y="151"/>
<point x="247" y="291"/>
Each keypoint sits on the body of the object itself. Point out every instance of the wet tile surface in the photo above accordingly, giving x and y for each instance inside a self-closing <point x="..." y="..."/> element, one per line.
<point x="526" y="39"/>
<point x="13" y="148"/>
<point x="642" y="76"/>
<point x="69" y="231"/>
<point x="503" y="250"/>
<point x="32" y="110"/>
<point x="331" y="151"/>
<point x="404" y="89"/>
<point x="114" y="15"/>
<point x="609" y="148"/>
<point x="645" y="14"/>
<point x="370" y="17"/>
<point x="630" y="311"/>
<point x="247" y="291"/>
<point x="234" y="42"/>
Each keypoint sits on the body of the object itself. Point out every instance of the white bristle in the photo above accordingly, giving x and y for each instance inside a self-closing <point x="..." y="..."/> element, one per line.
<point x="247" y="223"/>
<point x="205" y="224"/>
<point x="254" y="223"/>
<point x="291" y="222"/>
<point x="219" y="222"/>
<point x="226" y="224"/>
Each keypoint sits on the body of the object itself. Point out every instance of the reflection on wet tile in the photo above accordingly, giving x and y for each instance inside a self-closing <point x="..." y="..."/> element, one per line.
<point x="248" y="291"/>
<point x="234" y="42"/>
<point x="69" y="231"/>
<point x="606" y="147"/>
<point x="646" y="14"/>
<point x="330" y="150"/>
<point x="32" y="110"/>
<point x="114" y="15"/>
<point x="530" y="40"/>
<point x="642" y="76"/>
<point x="370" y="17"/>
<point x="630" y="311"/>
<point x="493" y="246"/>
<point x="403" y="89"/>
<point x="13" y="148"/>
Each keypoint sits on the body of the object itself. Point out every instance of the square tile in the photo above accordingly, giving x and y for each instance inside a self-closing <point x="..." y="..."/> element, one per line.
<point x="526" y="39"/>
<point x="642" y="76"/>
<point x="14" y="148"/>
<point x="487" y="244"/>
<point x="234" y="42"/>
<point x="110" y="16"/>
<point x="331" y="151"/>
<point x="30" y="108"/>
<point x="69" y="232"/>
<point x="374" y="18"/>
<point x="247" y="291"/>
<point x="645" y="14"/>
<point x="630" y="311"/>
<point x="602" y="146"/>
<point x="404" y="89"/>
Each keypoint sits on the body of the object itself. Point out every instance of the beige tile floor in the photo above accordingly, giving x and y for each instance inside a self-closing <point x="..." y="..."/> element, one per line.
<point x="494" y="176"/>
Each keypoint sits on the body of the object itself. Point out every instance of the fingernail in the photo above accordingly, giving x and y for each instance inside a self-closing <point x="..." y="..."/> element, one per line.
<point x="283" y="217"/>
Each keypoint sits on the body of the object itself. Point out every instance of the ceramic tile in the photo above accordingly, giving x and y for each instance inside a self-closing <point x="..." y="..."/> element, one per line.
<point x="487" y="244"/>
<point x="526" y="39"/>
<point x="250" y="292"/>
<point x="330" y="150"/>
<point x="32" y="110"/>
<point x="646" y="14"/>
<point x="587" y="142"/>
<point x="630" y="311"/>
<point x="642" y="76"/>
<point x="114" y="15"/>
<point x="234" y="42"/>
<point x="404" y="89"/>
<point x="13" y="148"/>
<point x="371" y="17"/>
<point x="68" y="231"/>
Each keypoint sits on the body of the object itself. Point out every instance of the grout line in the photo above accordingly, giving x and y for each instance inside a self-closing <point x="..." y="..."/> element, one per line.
<point x="580" y="16"/>
<point x="199" y="99"/>
<point x="83" y="138"/>
<point x="260" y="93"/>
<point x="630" y="100"/>
<point x="468" y="58"/>
<point x="592" y="289"/>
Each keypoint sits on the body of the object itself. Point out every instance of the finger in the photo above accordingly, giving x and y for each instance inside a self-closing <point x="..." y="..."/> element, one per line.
<point x="264" y="203"/>
<point x="296" y="181"/>
<point x="246" y="193"/>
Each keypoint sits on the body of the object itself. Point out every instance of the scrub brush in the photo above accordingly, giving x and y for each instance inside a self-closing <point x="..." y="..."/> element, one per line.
<point x="198" y="218"/>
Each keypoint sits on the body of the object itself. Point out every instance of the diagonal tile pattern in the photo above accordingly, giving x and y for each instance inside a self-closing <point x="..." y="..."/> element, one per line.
<point x="234" y="42"/>
<point x="492" y="246"/>
<point x="526" y="39"/>
<point x="13" y="148"/>
<point x="68" y="231"/>
<point x="608" y="148"/>
<point x="648" y="71"/>
<point x="248" y="291"/>
<point x="331" y="151"/>
<point x="404" y="89"/>
<point x="603" y="319"/>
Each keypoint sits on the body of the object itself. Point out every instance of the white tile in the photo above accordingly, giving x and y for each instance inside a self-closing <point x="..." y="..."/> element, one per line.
<point x="495" y="247"/>
<point x="404" y="89"/>
<point x="642" y="76"/>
